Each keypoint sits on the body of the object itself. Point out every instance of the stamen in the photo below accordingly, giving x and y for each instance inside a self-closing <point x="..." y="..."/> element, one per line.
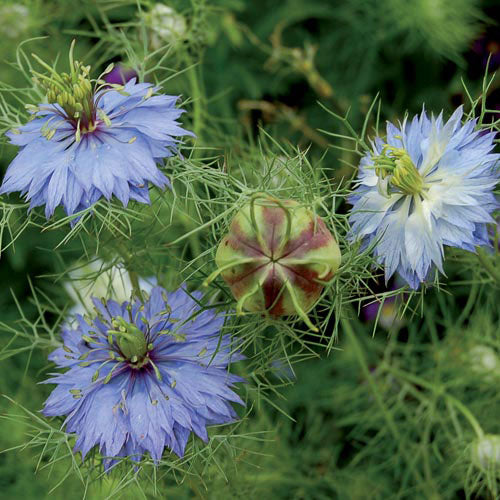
<point x="104" y="117"/>
<point x="157" y="371"/>
<point x="77" y="133"/>
<point x="77" y="393"/>
<point x="110" y="374"/>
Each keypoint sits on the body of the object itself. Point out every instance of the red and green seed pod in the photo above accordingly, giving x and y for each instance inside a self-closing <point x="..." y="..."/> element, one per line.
<point x="277" y="257"/>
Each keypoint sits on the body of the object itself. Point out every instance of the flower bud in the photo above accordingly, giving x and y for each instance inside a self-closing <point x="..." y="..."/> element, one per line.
<point x="486" y="451"/>
<point x="119" y="75"/>
<point x="16" y="20"/>
<point x="166" y="25"/>
<point x="277" y="257"/>
<point x="484" y="360"/>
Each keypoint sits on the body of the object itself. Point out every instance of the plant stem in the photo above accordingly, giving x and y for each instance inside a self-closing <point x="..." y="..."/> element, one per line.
<point x="358" y="351"/>
<point x="134" y="277"/>
<point x="196" y="95"/>
<point x="488" y="265"/>
<point x="440" y="391"/>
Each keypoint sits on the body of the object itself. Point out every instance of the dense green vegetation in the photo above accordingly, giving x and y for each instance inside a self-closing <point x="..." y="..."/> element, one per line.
<point x="281" y="95"/>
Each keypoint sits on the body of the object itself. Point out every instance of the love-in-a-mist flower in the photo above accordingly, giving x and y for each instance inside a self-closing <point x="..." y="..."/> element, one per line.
<point x="92" y="139"/>
<point x="141" y="377"/>
<point x="426" y="185"/>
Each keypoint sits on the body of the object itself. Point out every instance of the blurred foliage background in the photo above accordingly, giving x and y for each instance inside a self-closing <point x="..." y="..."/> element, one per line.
<point x="378" y="417"/>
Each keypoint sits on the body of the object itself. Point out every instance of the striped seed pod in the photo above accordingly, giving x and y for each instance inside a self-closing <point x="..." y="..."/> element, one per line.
<point x="277" y="257"/>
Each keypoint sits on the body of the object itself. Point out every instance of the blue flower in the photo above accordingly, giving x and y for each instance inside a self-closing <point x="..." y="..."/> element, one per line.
<point x="92" y="139"/>
<point x="143" y="376"/>
<point x="427" y="185"/>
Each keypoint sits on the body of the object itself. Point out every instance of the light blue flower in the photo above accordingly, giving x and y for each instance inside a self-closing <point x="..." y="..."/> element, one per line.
<point x="141" y="377"/>
<point x="93" y="140"/>
<point x="428" y="184"/>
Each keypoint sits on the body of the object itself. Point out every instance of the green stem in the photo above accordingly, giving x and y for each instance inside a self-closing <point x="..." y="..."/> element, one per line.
<point x="440" y="391"/>
<point x="487" y="264"/>
<point x="469" y="305"/>
<point x="193" y="239"/>
<point x="134" y="277"/>
<point x="200" y="228"/>
<point x="467" y="414"/>
<point x="196" y="95"/>
<point x="358" y="352"/>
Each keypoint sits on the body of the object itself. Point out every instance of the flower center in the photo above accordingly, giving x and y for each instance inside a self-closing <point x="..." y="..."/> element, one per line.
<point x="75" y="93"/>
<point x="131" y="342"/>
<point x="395" y="167"/>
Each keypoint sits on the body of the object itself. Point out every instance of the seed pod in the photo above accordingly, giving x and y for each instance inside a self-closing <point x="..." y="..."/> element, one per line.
<point x="276" y="257"/>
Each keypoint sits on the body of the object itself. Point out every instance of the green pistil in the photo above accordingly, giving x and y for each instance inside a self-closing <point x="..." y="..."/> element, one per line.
<point x="74" y="92"/>
<point x="131" y="342"/>
<point x="396" y="164"/>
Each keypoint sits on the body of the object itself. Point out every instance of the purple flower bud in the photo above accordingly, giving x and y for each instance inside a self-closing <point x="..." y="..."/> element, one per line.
<point x="120" y="75"/>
